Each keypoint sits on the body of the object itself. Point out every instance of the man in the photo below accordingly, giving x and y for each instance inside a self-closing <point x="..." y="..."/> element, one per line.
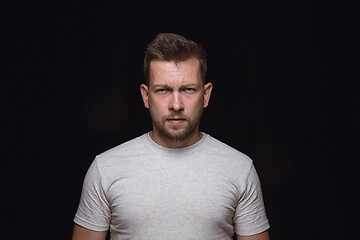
<point x="174" y="182"/>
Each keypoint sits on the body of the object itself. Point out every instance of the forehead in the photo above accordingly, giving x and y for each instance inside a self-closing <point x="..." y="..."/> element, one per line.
<point x="171" y="72"/>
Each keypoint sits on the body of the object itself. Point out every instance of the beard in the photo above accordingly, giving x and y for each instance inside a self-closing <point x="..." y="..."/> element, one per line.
<point x="177" y="133"/>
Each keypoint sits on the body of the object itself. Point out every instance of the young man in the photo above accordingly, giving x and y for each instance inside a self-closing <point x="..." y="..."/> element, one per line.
<point x="174" y="182"/>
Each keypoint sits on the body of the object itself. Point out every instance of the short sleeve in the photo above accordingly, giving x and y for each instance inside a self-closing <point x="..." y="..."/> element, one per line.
<point x="93" y="211"/>
<point x="250" y="217"/>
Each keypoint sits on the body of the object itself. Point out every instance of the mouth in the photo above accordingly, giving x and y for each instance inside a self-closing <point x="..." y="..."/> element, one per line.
<point x="176" y="120"/>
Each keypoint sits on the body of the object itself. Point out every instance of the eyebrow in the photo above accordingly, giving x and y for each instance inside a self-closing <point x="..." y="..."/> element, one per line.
<point x="161" y="86"/>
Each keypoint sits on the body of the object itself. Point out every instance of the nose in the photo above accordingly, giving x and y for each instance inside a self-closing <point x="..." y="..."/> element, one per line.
<point x="176" y="103"/>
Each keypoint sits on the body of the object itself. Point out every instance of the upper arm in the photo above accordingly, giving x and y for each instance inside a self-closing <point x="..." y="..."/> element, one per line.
<point x="94" y="210"/>
<point x="260" y="236"/>
<point x="81" y="233"/>
<point x="250" y="216"/>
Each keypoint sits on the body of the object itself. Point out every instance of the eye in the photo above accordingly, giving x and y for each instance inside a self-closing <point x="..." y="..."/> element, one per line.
<point x="190" y="90"/>
<point x="161" y="90"/>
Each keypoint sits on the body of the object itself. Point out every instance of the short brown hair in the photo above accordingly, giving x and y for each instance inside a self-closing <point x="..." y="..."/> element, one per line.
<point x="173" y="47"/>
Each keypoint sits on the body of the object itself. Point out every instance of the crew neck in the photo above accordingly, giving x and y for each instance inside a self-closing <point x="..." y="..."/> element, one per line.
<point x="175" y="151"/>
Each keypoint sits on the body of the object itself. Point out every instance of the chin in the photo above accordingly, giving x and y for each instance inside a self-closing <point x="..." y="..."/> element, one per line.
<point x="178" y="135"/>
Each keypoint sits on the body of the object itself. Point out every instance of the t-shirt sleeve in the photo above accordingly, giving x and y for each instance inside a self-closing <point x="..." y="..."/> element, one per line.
<point x="94" y="210"/>
<point x="250" y="217"/>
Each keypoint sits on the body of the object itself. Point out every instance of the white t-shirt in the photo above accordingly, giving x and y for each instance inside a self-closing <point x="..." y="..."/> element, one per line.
<point x="142" y="190"/>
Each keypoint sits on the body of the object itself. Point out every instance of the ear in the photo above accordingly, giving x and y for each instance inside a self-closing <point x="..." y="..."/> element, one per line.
<point x="207" y="92"/>
<point x="144" y="89"/>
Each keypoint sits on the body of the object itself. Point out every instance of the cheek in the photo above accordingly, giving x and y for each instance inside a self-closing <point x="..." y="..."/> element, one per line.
<point x="195" y="105"/>
<point x="157" y="105"/>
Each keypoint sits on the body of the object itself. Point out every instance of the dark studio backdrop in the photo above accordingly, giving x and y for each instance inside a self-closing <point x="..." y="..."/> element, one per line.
<point x="284" y="75"/>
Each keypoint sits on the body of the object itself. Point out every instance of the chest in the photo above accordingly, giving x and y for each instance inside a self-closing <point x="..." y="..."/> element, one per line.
<point x="182" y="195"/>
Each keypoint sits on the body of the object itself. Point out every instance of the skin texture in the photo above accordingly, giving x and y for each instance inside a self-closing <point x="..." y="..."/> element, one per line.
<point x="260" y="236"/>
<point x="81" y="233"/>
<point x="176" y="97"/>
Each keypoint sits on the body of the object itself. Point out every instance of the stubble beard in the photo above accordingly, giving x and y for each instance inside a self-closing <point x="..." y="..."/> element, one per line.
<point x="175" y="133"/>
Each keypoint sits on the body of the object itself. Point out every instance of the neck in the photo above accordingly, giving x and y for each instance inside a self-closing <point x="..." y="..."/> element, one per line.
<point x="174" y="143"/>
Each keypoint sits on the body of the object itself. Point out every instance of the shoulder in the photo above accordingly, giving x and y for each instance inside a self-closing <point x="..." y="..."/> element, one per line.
<point x="120" y="160"/>
<point x="229" y="163"/>
<point x="218" y="147"/>
<point x="229" y="157"/>
<point x="126" y="150"/>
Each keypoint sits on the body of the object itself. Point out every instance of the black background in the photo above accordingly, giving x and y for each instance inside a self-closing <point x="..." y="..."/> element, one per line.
<point x="285" y="93"/>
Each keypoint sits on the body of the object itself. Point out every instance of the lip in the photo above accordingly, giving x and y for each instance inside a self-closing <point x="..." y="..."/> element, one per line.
<point x="176" y="120"/>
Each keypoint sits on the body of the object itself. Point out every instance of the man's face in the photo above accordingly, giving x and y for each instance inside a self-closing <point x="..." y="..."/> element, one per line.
<point x="176" y="97"/>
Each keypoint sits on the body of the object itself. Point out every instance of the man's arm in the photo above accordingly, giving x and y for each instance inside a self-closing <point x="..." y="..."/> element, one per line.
<point x="260" y="236"/>
<point x="81" y="233"/>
